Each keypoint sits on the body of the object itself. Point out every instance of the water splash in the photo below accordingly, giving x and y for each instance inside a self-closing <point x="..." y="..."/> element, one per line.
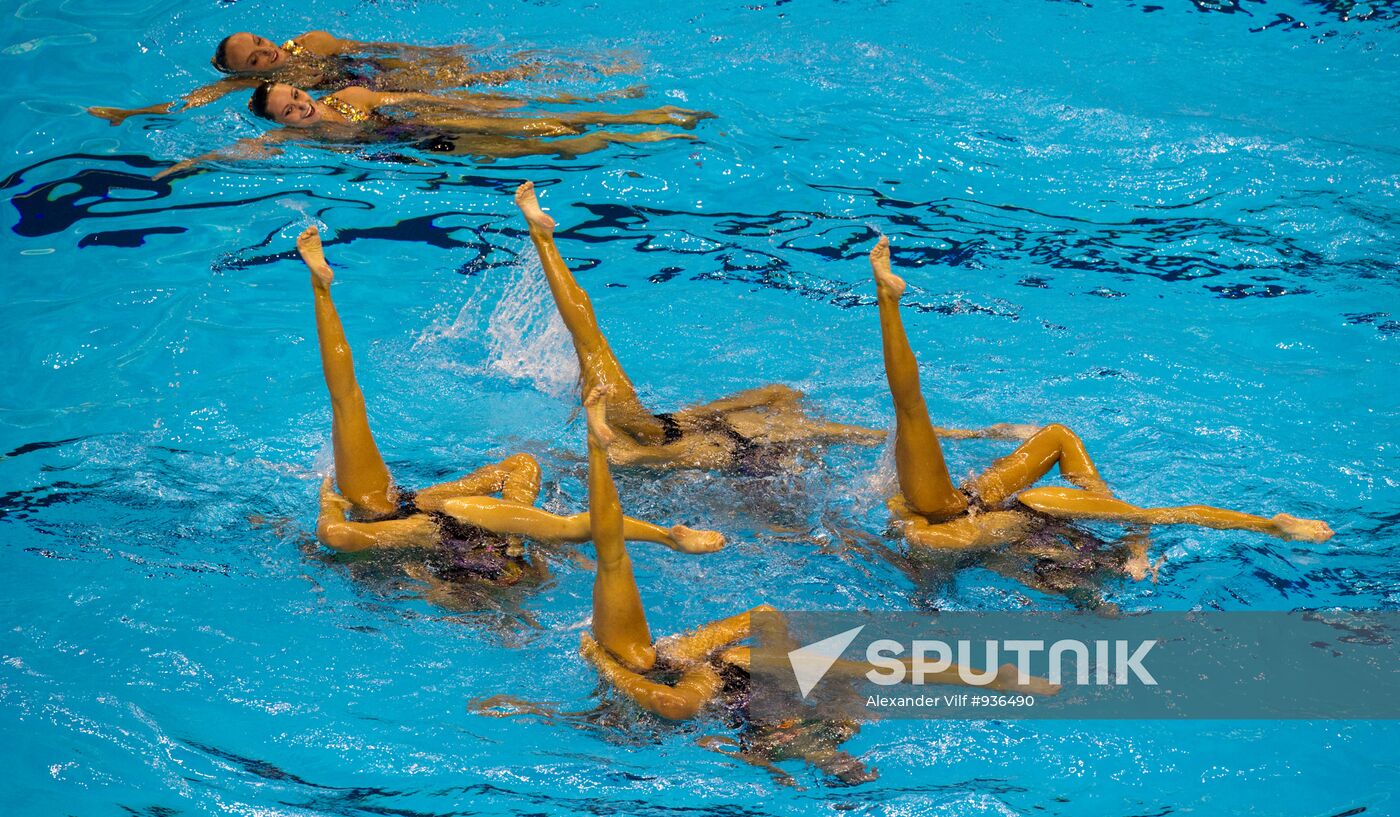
<point x="523" y="335"/>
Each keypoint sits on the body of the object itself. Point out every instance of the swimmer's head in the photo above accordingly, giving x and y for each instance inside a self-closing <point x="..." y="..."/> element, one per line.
<point x="285" y="105"/>
<point x="245" y="53"/>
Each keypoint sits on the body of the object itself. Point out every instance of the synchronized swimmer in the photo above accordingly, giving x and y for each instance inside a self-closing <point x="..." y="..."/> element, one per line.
<point x="320" y="61"/>
<point x="433" y="122"/>
<point x="754" y="430"/>
<point x="476" y="520"/>
<point x="995" y="508"/>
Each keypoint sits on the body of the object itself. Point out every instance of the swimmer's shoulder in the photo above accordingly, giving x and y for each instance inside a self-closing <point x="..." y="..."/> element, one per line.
<point x="322" y="43"/>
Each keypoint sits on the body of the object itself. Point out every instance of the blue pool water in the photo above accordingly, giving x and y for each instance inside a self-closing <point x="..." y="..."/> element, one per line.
<point x="1170" y="225"/>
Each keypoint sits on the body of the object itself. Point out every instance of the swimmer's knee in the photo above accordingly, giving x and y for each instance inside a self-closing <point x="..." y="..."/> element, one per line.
<point x="523" y="462"/>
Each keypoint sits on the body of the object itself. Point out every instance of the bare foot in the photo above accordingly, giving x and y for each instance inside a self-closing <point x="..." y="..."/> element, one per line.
<point x="589" y="648"/>
<point x="596" y="410"/>
<point x="689" y="540"/>
<point x="309" y="245"/>
<point x="1294" y="529"/>
<point x="530" y="206"/>
<point x="885" y="281"/>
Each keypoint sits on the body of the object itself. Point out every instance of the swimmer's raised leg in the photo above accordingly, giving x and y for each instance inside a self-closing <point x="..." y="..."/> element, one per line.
<point x="1067" y="503"/>
<point x="514" y="518"/>
<point x="619" y="621"/>
<point x="360" y="471"/>
<point x="596" y="359"/>
<point x="923" y="475"/>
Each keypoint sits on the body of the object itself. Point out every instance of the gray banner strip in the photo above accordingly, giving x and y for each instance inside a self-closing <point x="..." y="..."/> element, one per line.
<point x="1205" y="665"/>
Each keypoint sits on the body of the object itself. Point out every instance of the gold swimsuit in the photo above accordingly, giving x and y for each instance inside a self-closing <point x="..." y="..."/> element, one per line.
<point x="294" y="48"/>
<point x="345" y="109"/>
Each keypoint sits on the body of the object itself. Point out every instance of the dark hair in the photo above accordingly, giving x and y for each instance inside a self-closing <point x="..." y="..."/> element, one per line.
<point x="258" y="104"/>
<point x="221" y="55"/>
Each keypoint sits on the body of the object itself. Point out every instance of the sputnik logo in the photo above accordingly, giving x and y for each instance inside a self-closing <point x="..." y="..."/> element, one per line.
<point x="811" y="663"/>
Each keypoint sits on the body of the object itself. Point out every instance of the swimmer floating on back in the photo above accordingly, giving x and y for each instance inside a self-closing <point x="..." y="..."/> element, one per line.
<point x="322" y="62"/>
<point x="368" y="511"/>
<point x="677" y="677"/>
<point x="748" y="430"/>
<point x="991" y="509"/>
<point x="438" y="123"/>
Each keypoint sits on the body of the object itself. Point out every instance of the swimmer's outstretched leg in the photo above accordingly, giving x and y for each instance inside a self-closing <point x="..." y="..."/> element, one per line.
<point x="518" y="519"/>
<point x="1067" y="503"/>
<point x="359" y="469"/>
<point x="923" y="475"/>
<point x="1052" y="445"/>
<point x="596" y="359"/>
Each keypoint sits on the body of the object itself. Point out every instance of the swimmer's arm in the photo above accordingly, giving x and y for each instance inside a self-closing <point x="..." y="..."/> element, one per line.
<point x="242" y="150"/>
<point x="336" y="531"/>
<point x="697" y="686"/>
<point x="194" y="99"/>
<point x="327" y="44"/>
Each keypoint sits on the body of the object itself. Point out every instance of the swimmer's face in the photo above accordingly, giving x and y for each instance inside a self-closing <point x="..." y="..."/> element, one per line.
<point x="250" y="54"/>
<point x="292" y="106"/>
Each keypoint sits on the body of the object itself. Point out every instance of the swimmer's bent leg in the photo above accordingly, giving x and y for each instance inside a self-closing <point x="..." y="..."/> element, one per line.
<point x="516" y="478"/>
<point x="1066" y="503"/>
<point x="1052" y="445"/>
<point x="985" y="530"/>
<point x="699" y="684"/>
<point x="699" y="644"/>
<point x="336" y="531"/>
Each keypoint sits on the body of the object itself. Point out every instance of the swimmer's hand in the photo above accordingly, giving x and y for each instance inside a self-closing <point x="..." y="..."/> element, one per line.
<point x="309" y="247"/>
<point x="178" y="167"/>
